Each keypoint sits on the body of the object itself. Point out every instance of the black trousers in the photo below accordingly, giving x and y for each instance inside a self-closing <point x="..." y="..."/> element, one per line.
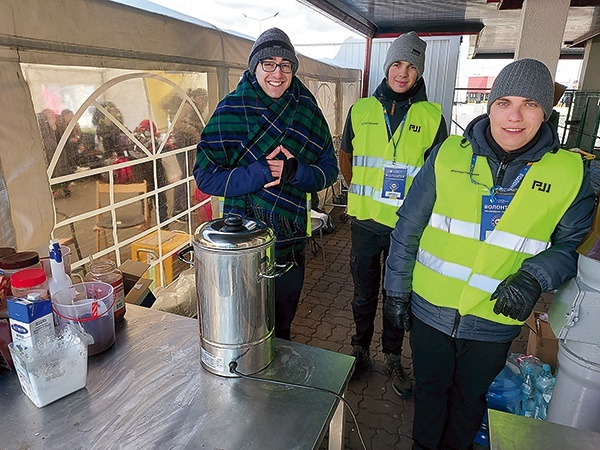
<point x="367" y="265"/>
<point x="452" y="377"/>
<point x="288" y="288"/>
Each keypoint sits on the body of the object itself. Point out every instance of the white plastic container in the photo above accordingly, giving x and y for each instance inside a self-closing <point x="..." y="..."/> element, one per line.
<point x="52" y="369"/>
<point x="88" y="306"/>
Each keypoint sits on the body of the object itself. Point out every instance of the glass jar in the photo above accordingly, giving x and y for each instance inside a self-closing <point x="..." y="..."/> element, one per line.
<point x="6" y="251"/>
<point x="14" y="262"/>
<point x="106" y="270"/>
<point x="29" y="281"/>
<point x="4" y="286"/>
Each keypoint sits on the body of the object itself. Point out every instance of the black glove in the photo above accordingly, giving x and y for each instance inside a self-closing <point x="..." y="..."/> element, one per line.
<point x="397" y="311"/>
<point x="290" y="167"/>
<point x="517" y="295"/>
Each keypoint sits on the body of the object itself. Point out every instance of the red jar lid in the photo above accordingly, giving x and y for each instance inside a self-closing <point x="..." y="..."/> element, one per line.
<point x="19" y="260"/>
<point x="27" y="278"/>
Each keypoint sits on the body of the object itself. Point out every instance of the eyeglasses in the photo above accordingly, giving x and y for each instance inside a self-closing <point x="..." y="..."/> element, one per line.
<point x="270" y="66"/>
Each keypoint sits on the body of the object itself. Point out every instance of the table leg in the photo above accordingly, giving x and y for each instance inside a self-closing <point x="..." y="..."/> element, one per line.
<point x="337" y="427"/>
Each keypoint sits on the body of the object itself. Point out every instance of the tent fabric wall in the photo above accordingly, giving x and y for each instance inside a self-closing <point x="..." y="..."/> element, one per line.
<point x="103" y="36"/>
<point x="23" y="166"/>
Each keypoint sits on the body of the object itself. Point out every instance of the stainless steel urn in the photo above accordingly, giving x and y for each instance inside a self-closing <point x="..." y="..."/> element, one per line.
<point x="235" y="264"/>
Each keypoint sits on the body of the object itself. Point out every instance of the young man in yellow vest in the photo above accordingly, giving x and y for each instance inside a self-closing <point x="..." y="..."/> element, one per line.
<point x="491" y="221"/>
<point x="386" y="139"/>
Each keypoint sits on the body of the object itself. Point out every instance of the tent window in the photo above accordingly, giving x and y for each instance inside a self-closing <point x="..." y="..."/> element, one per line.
<point x="120" y="127"/>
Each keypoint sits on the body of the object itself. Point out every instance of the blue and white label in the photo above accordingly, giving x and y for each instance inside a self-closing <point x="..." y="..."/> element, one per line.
<point x="394" y="182"/>
<point x="492" y="210"/>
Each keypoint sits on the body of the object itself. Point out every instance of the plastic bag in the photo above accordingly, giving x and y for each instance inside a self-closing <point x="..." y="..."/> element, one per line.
<point x="530" y="360"/>
<point x="179" y="297"/>
<point x="326" y="218"/>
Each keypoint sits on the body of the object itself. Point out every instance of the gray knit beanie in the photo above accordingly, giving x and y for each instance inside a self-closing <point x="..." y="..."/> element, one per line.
<point x="407" y="47"/>
<point x="270" y="44"/>
<point x="528" y="78"/>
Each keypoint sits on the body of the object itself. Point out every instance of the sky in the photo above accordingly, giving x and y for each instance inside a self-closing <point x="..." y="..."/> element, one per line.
<point x="303" y="24"/>
<point x="306" y="27"/>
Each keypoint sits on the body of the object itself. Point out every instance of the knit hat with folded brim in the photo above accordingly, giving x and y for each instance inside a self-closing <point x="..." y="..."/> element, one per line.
<point x="527" y="78"/>
<point x="270" y="44"/>
<point x="407" y="47"/>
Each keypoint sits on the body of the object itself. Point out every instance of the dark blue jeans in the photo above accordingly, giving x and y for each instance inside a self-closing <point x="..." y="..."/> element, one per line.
<point x="288" y="288"/>
<point x="452" y="377"/>
<point x="367" y="265"/>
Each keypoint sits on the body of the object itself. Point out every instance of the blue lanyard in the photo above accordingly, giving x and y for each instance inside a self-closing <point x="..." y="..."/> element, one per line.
<point x="389" y="127"/>
<point x="499" y="189"/>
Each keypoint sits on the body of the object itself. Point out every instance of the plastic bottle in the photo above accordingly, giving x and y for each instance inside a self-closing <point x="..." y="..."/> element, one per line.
<point x="28" y="281"/>
<point x="527" y="402"/>
<point x="544" y="387"/>
<point x="59" y="279"/>
<point x="13" y="262"/>
<point x="106" y="271"/>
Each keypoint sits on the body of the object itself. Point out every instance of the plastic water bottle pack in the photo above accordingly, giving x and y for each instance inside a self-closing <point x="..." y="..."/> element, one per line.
<point x="544" y="387"/>
<point x="527" y="401"/>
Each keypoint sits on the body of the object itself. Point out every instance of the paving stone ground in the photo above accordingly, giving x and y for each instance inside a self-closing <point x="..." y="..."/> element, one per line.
<point x="324" y="320"/>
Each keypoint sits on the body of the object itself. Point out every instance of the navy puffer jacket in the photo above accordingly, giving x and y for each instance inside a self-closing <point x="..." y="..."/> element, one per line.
<point x="551" y="267"/>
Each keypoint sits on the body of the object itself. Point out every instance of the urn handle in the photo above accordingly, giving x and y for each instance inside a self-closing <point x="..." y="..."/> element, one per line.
<point x="183" y="252"/>
<point x="275" y="271"/>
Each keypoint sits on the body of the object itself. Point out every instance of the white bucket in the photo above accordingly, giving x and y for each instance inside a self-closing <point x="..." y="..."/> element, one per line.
<point x="576" y="398"/>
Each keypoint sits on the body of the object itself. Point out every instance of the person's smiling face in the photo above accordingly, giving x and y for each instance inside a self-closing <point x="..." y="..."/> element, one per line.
<point x="274" y="83"/>
<point x="514" y="121"/>
<point x="401" y="76"/>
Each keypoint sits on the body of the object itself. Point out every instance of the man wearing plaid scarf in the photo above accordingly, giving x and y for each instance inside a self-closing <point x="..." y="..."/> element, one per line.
<point x="266" y="146"/>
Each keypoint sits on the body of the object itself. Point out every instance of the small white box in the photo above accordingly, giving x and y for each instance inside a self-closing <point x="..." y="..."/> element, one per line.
<point x="30" y="320"/>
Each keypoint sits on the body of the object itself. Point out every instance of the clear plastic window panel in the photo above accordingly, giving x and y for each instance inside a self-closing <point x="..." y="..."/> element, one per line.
<point x="120" y="148"/>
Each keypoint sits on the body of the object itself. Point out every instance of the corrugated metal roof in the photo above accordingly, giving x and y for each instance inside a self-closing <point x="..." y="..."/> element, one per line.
<point x="493" y="24"/>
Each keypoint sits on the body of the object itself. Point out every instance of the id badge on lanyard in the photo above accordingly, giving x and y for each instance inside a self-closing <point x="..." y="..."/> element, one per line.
<point x="394" y="182"/>
<point x="492" y="209"/>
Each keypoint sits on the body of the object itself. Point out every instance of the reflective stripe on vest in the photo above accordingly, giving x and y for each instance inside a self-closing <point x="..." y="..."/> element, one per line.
<point x="454" y="268"/>
<point x="499" y="238"/>
<point x="457" y="271"/>
<point x="372" y="151"/>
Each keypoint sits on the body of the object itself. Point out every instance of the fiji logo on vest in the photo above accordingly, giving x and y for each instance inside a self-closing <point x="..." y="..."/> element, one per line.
<point x="415" y="128"/>
<point x="541" y="186"/>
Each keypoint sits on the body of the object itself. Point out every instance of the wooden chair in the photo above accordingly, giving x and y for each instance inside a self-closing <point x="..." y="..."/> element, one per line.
<point x="125" y="219"/>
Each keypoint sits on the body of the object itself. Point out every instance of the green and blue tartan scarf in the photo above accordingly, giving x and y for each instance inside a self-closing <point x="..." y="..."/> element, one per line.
<point x="248" y="125"/>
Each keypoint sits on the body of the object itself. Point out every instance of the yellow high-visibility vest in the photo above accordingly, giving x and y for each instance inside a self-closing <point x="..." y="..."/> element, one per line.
<point x="372" y="151"/>
<point x="454" y="267"/>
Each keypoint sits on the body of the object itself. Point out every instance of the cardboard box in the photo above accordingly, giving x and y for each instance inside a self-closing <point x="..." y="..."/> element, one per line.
<point x="30" y="320"/>
<point x="140" y="293"/>
<point x="132" y="272"/>
<point x="542" y="342"/>
<point x="146" y="249"/>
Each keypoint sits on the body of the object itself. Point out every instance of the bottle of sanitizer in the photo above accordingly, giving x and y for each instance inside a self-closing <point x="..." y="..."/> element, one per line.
<point x="59" y="280"/>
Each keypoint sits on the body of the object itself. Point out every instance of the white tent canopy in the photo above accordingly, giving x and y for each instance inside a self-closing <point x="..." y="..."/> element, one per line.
<point x="82" y="56"/>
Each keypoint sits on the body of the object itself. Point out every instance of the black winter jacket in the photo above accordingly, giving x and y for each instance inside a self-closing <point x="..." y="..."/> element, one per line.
<point x="551" y="267"/>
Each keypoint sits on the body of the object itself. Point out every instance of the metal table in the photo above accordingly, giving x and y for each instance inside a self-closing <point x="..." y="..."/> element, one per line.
<point x="149" y="391"/>
<point x="514" y="432"/>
